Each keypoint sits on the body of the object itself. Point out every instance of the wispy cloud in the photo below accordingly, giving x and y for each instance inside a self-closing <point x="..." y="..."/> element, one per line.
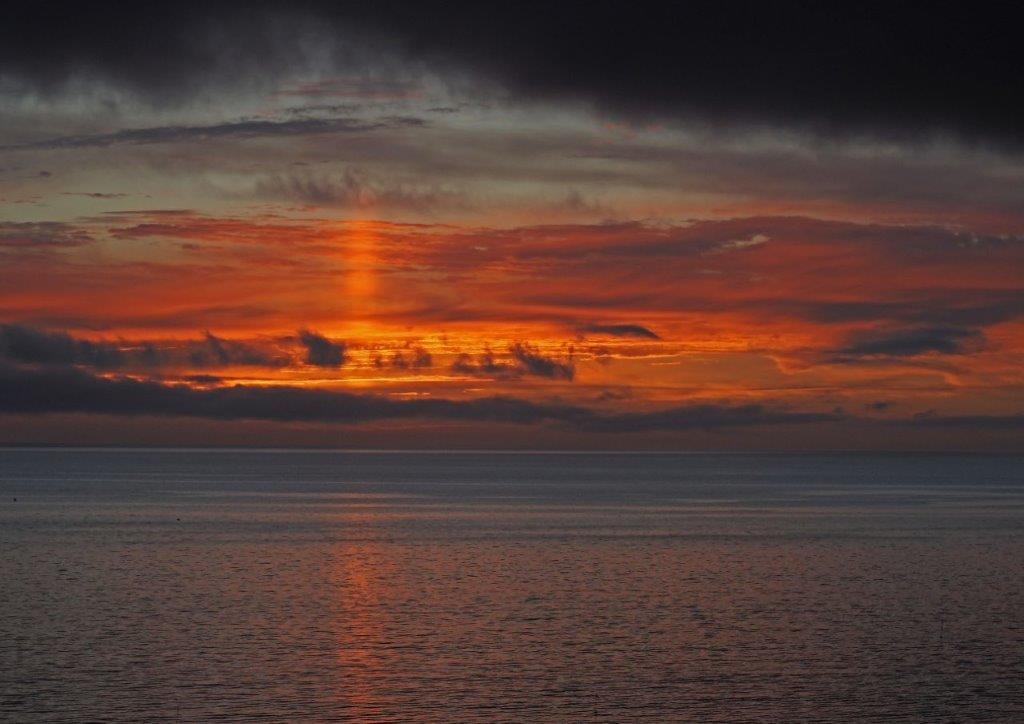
<point x="42" y="234"/>
<point x="232" y="130"/>
<point x="353" y="189"/>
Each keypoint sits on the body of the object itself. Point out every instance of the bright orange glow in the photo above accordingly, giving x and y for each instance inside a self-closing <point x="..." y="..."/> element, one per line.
<point x="360" y="257"/>
<point x="617" y="316"/>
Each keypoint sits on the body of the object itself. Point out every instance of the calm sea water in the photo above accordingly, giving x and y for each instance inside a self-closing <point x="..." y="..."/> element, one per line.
<point x="187" y="585"/>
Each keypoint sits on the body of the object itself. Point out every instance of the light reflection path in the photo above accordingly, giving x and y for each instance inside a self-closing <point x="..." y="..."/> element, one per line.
<point x="355" y="577"/>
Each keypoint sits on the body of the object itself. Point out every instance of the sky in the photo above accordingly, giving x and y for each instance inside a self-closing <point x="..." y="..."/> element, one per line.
<point x="722" y="226"/>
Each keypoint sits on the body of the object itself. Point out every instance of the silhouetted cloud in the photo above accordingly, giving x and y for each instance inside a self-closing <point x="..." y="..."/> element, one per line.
<point x="524" y="360"/>
<point x="485" y="364"/>
<point x="534" y="363"/>
<point x="320" y="351"/>
<point x="941" y="310"/>
<point x="30" y="345"/>
<point x="215" y="351"/>
<point x="620" y="330"/>
<point x="66" y="390"/>
<point x="24" y="344"/>
<point x="909" y="343"/>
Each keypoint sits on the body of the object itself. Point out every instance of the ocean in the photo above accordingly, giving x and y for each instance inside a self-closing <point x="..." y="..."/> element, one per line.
<point x="198" y="585"/>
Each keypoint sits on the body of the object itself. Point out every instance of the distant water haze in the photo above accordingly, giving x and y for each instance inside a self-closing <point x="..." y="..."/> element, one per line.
<point x="287" y="585"/>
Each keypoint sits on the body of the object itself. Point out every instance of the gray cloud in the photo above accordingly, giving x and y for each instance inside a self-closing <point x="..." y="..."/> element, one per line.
<point x="95" y="194"/>
<point x="356" y="88"/>
<point x="352" y="188"/>
<point x="41" y="234"/>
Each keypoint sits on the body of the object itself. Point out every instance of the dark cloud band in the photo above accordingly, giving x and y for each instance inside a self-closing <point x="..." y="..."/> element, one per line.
<point x="36" y="391"/>
<point x="815" y="66"/>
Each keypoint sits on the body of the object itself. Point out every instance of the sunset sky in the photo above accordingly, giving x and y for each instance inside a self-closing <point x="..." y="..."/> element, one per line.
<point x="709" y="228"/>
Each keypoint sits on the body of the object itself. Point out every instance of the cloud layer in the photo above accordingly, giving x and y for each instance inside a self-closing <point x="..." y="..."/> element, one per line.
<point x="68" y="390"/>
<point x="611" y="219"/>
<point x="830" y="69"/>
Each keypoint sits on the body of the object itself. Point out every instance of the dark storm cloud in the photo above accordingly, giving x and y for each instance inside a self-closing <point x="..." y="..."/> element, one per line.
<point x="35" y="391"/>
<point x="893" y="67"/>
<point x="320" y="351"/>
<point x="620" y="330"/>
<point x="236" y="130"/>
<point x="811" y="64"/>
<point x="910" y="342"/>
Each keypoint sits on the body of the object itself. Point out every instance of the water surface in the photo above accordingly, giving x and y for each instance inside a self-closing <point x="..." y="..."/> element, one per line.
<point x="284" y="585"/>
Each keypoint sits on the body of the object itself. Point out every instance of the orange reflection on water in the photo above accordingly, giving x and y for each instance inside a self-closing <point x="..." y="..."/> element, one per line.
<point x="358" y="576"/>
